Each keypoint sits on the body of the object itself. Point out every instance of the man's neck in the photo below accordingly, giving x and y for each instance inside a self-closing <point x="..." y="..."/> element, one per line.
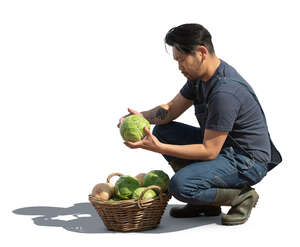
<point x="211" y="68"/>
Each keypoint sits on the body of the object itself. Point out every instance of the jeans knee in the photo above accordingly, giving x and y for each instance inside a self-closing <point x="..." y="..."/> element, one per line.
<point x="156" y="130"/>
<point x="180" y="186"/>
<point x="174" y="185"/>
<point x="161" y="131"/>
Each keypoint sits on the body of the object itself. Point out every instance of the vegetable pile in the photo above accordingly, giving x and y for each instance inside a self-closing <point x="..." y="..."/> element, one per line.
<point x="130" y="188"/>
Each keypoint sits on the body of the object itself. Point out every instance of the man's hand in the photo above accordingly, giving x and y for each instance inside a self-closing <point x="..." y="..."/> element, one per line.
<point x="131" y="112"/>
<point x="149" y="142"/>
<point x="209" y="150"/>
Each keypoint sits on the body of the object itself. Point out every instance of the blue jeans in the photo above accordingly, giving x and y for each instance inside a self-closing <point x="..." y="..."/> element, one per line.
<point x="197" y="182"/>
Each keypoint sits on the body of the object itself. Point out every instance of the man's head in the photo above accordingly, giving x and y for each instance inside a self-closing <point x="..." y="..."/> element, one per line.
<point x="192" y="48"/>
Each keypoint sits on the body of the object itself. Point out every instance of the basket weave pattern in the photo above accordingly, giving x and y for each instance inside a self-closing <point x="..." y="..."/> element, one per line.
<point x="132" y="215"/>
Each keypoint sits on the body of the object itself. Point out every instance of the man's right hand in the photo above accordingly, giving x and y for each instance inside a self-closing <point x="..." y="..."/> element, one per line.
<point x="131" y="112"/>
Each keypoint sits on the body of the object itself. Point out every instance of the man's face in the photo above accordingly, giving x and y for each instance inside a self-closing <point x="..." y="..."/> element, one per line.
<point x="189" y="65"/>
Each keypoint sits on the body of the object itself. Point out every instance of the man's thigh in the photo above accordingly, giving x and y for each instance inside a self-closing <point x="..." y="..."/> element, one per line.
<point x="177" y="133"/>
<point x="228" y="170"/>
<point x="217" y="173"/>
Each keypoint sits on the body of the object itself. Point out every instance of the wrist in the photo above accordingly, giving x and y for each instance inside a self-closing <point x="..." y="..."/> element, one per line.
<point x="162" y="148"/>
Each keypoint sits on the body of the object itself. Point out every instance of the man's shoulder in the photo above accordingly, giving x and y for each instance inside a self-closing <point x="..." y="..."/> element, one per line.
<point x="227" y="85"/>
<point x="231" y="87"/>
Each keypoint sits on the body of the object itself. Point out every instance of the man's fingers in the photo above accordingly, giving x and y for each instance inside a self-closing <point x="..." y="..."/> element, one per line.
<point x="120" y="121"/>
<point x="133" y="144"/>
<point x="134" y="112"/>
<point x="147" y="131"/>
<point x="127" y="144"/>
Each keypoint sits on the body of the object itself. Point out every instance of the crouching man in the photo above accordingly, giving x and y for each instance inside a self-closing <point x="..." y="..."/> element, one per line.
<point x="217" y="163"/>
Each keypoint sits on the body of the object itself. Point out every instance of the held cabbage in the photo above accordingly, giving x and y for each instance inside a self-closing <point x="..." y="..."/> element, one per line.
<point x="132" y="128"/>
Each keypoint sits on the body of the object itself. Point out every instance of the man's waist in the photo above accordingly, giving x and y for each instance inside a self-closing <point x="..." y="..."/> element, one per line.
<point x="257" y="155"/>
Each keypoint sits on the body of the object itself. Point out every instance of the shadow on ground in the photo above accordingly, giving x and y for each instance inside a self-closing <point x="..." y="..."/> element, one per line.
<point x="83" y="218"/>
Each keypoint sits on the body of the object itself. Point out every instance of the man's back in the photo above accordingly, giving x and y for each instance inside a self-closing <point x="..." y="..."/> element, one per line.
<point x="232" y="108"/>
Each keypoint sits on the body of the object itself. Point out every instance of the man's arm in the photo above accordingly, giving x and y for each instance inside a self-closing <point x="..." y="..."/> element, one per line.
<point x="209" y="150"/>
<point x="165" y="113"/>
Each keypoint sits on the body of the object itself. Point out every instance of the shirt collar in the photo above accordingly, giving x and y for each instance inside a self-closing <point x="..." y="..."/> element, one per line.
<point x="208" y="85"/>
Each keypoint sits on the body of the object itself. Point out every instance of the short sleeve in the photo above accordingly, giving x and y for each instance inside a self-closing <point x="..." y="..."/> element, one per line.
<point x="188" y="90"/>
<point x="223" y="109"/>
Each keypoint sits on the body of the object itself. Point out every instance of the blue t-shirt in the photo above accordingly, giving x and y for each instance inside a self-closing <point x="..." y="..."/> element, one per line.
<point x="232" y="108"/>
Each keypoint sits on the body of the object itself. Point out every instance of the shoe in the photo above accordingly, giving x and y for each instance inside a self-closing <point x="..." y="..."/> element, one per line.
<point x="240" y="213"/>
<point x="190" y="210"/>
<point x="241" y="200"/>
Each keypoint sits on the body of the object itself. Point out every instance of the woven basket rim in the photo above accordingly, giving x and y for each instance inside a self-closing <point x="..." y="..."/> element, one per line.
<point x="164" y="195"/>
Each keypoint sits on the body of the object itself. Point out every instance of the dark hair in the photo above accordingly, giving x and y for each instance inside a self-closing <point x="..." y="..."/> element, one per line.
<point x="186" y="37"/>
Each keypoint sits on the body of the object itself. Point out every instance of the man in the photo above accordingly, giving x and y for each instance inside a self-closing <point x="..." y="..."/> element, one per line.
<point x="217" y="163"/>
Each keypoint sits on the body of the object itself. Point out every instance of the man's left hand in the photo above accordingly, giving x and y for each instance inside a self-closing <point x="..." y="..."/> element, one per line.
<point x="149" y="142"/>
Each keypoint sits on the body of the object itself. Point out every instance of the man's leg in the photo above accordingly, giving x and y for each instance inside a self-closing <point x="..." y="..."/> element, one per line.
<point x="181" y="134"/>
<point x="220" y="182"/>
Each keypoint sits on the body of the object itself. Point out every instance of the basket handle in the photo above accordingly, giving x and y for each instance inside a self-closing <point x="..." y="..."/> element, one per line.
<point x="112" y="175"/>
<point x="144" y="191"/>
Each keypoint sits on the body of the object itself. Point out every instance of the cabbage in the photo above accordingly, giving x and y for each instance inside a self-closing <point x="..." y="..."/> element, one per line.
<point x="125" y="186"/>
<point x="157" y="177"/>
<point x="148" y="194"/>
<point x="132" y="128"/>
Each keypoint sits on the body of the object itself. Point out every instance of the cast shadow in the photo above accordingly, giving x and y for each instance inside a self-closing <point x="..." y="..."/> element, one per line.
<point x="85" y="219"/>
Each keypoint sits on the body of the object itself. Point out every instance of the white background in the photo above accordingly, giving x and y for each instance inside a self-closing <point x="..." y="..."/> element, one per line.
<point x="68" y="72"/>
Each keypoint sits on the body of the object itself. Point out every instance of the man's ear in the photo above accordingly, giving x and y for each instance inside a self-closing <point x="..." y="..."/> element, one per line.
<point x="202" y="49"/>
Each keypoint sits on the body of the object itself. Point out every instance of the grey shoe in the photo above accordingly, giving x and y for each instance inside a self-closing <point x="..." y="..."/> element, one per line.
<point x="240" y="213"/>
<point x="241" y="200"/>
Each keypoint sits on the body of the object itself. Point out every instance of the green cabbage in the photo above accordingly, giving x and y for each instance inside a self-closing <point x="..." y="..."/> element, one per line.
<point x="132" y="128"/>
<point x="125" y="186"/>
<point x="148" y="194"/>
<point x="157" y="177"/>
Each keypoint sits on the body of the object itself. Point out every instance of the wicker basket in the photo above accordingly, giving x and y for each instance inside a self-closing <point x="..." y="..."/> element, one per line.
<point x="132" y="215"/>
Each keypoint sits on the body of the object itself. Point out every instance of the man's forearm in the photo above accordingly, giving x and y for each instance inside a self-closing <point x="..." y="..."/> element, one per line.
<point x="158" y="115"/>
<point x="190" y="152"/>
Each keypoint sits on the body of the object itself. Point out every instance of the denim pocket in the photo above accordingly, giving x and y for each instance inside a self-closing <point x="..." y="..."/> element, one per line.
<point x="249" y="170"/>
<point x="249" y="163"/>
<point x="243" y="162"/>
